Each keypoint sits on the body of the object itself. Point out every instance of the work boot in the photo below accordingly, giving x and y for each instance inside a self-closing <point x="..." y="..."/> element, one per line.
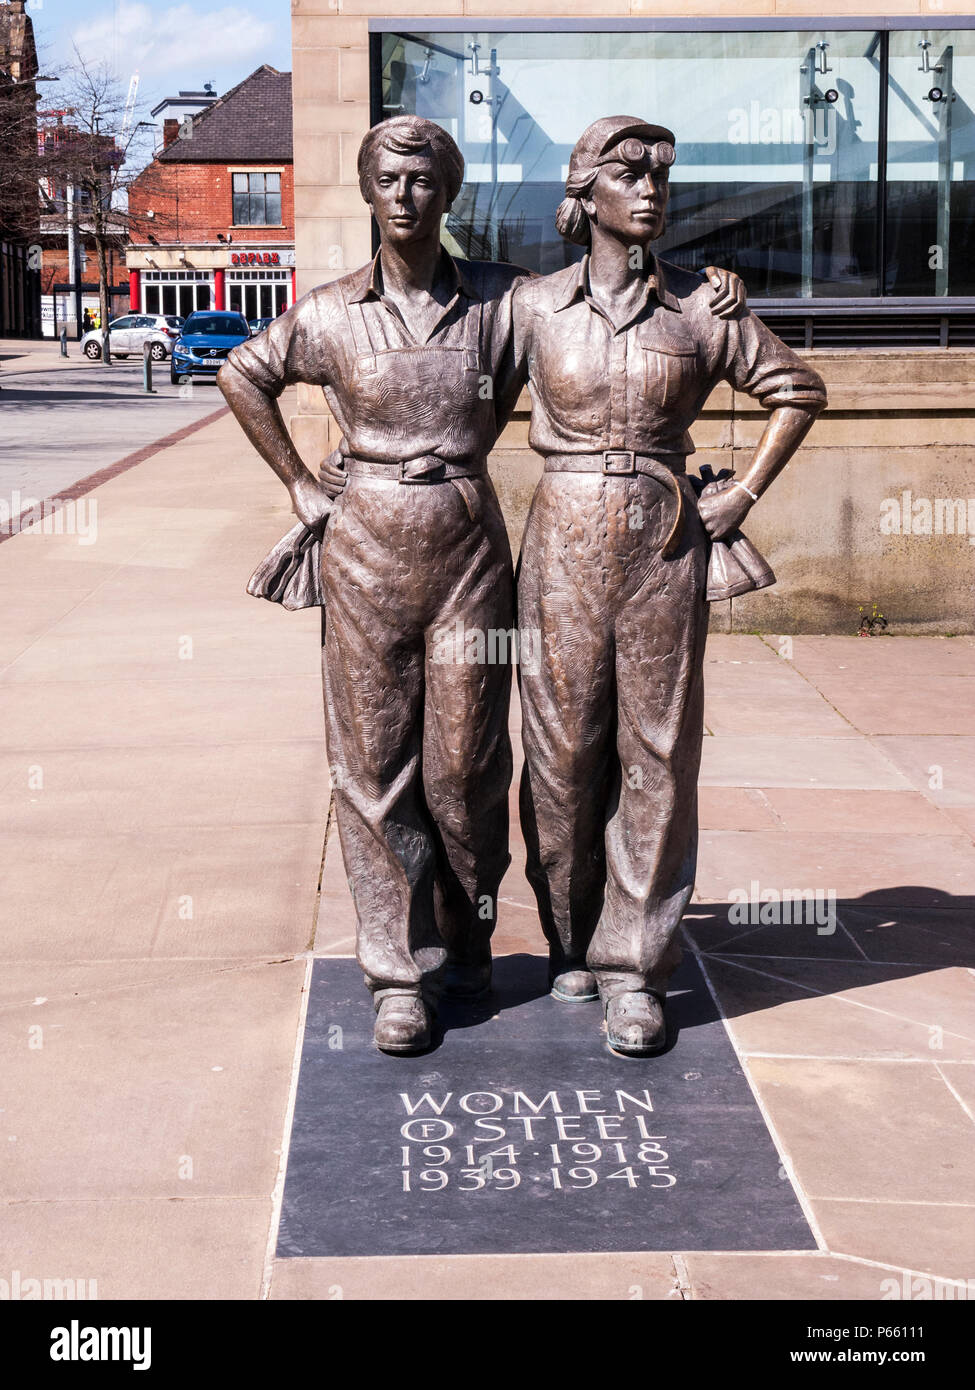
<point x="465" y="981"/>
<point x="635" y="1024"/>
<point x="402" y="1024"/>
<point x="571" y="982"/>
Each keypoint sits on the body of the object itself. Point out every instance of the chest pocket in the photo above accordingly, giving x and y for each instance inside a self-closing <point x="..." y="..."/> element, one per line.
<point x="669" y="369"/>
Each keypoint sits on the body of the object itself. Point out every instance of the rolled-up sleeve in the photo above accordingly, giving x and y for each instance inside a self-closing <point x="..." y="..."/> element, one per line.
<point x="295" y="348"/>
<point x="761" y="365"/>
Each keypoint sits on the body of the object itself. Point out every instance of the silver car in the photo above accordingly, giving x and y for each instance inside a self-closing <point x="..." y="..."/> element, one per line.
<point x="127" y="335"/>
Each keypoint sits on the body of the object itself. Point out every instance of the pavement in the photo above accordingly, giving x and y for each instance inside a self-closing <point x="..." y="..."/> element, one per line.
<point x="101" y="414"/>
<point x="166" y="799"/>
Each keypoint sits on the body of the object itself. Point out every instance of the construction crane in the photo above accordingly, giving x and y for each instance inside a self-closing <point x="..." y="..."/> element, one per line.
<point x="129" y="107"/>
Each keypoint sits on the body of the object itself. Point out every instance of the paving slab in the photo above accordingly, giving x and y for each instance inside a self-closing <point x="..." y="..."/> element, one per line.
<point x="782" y="1277"/>
<point x="736" y="808"/>
<point x="924" y="1236"/>
<point x="780" y="760"/>
<point x="206" y="1249"/>
<point x="899" y="870"/>
<point x="493" y="1278"/>
<point x="843" y="810"/>
<point x="184" y="891"/>
<point x="943" y="769"/>
<point x="845" y="1008"/>
<point x="167" y="1082"/>
<point x="773" y="699"/>
<point x="74" y="793"/>
<point x="865" y="1129"/>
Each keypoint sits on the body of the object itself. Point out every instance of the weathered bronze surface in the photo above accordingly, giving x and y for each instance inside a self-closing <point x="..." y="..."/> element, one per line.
<point x="421" y="367"/>
<point x="622" y="350"/>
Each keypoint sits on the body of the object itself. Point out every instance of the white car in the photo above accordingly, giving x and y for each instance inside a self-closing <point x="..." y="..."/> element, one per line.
<point x="127" y="335"/>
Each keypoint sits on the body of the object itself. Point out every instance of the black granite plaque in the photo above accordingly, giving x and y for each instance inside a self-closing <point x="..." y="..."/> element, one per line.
<point x="520" y="1132"/>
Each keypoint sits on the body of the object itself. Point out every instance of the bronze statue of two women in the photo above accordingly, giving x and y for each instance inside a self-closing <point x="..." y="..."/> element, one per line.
<point x="619" y="353"/>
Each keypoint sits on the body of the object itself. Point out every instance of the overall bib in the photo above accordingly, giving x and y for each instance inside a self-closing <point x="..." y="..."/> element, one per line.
<point x="415" y="556"/>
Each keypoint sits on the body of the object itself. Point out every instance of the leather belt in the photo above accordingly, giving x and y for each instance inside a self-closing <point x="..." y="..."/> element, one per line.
<point x="624" y="463"/>
<point x="426" y="469"/>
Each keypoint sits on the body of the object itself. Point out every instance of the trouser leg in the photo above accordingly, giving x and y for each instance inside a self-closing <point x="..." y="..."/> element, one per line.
<point x="467" y="749"/>
<point x="651" y="835"/>
<point x="373" y="668"/>
<point x="567" y="727"/>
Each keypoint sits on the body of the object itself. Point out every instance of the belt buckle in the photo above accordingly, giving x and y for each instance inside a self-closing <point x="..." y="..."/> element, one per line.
<point x="417" y="477"/>
<point x="628" y="457"/>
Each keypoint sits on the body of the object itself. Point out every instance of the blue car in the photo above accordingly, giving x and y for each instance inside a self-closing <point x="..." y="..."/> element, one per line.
<point x="204" y="341"/>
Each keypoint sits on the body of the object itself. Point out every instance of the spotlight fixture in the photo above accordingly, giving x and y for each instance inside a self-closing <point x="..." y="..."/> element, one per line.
<point x="832" y="95"/>
<point x="936" y="94"/>
<point x="476" y="97"/>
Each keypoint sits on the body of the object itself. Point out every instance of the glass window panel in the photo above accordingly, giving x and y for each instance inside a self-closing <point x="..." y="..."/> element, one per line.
<point x="273" y="183"/>
<point x="776" y="173"/>
<point x="273" y="209"/>
<point x="169" y="299"/>
<point x="241" y="209"/>
<point x="152" y="299"/>
<point x="203" y="296"/>
<point x="931" y="163"/>
<point x="235" y="298"/>
<point x="240" y="183"/>
<point x="256" y="213"/>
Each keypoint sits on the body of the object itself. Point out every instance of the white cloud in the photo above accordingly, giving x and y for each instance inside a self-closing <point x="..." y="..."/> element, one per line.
<point x="163" y="39"/>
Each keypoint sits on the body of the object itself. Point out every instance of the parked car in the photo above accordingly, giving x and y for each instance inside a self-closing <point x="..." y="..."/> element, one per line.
<point x="127" y="335"/>
<point x="204" y="341"/>
<point x="258" y="325"/>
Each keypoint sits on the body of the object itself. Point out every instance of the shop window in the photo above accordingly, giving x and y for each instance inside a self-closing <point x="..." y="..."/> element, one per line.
<point x="930" y="224"/>
<point x="257" y="200"/>
<point x="818" y="164"/>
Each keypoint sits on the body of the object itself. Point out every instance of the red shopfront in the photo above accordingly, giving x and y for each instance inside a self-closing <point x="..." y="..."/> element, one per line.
<point x="259" y="283"/>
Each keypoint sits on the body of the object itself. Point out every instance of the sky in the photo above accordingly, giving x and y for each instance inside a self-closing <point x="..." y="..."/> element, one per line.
<point x="171" y="44"/>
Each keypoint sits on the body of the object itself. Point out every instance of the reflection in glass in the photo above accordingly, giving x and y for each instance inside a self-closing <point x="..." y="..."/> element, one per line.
<point x="931" y="163"/>
<point x="777" y="142"/>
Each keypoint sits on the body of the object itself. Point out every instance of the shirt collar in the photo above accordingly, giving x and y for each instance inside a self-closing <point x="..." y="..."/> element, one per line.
<point x="577" y="285"/>
<point x="368" y="282"/>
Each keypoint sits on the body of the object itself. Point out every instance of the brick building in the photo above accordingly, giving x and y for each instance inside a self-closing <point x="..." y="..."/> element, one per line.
<point x="212" y="217"/>
<point x="69" y="290"/>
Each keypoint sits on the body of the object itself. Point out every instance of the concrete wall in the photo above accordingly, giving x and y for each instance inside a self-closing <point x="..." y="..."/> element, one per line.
<point x="898" y="421"/>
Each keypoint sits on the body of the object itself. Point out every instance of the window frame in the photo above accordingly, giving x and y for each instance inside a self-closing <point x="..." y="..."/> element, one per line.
<point x="262" y="171"/>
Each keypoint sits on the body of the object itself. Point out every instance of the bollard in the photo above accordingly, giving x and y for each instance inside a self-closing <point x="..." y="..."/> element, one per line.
<point x="106" y="348"/>
<point x="64" y="341"/>
<point x="147" y="368"/>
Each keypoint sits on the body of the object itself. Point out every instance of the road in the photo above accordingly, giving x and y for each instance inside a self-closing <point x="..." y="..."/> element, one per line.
<point x="59" y="425"/>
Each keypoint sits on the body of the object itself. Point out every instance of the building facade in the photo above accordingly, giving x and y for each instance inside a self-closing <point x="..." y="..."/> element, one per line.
<point x="20" y="292"/>
<point x="827" y="154"/>
<point x="212" y="217"/>
<point x="69" y="250"/>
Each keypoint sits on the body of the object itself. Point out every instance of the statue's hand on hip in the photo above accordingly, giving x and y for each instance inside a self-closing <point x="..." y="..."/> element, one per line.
<point x="331" y="472"/>
<point x="730" y="294"/>
<point x="723" y="507"/>
<point x="311" y="501"/>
